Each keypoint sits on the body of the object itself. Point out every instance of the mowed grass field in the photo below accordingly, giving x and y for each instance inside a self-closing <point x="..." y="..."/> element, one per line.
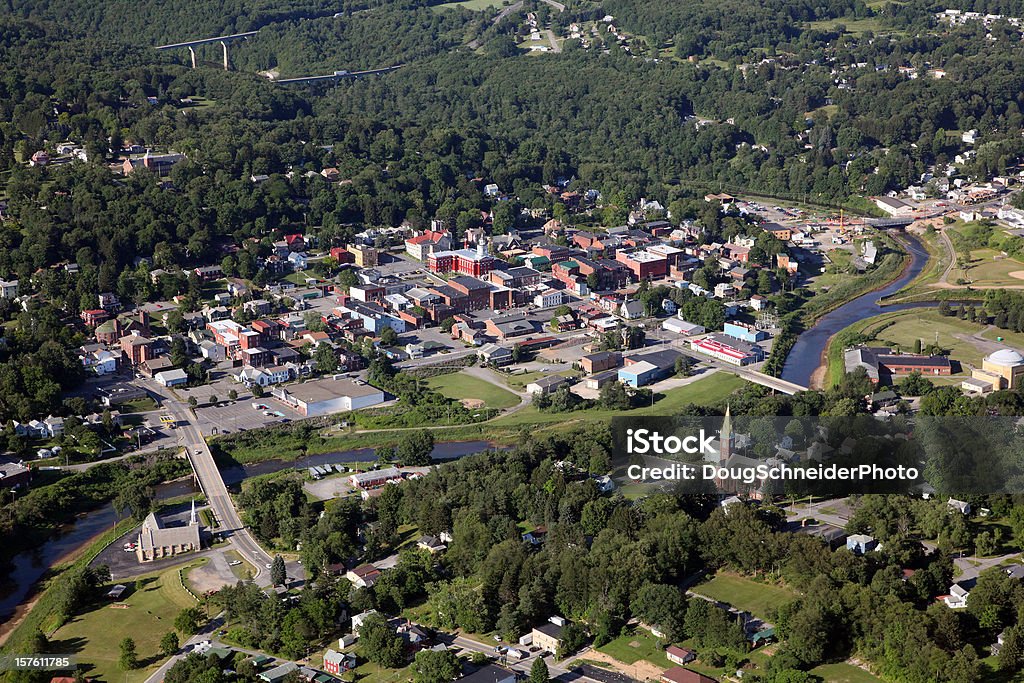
<point x="94" y="636"/>
<point x="634" y="645"/>
<point x="742" y="593"/>
<point x="989" y="268"/>
<point x="474" y="5"/>
<point x="844" y="673"/>
<point x="458" y="385"/>
<point x="710" y="390"/>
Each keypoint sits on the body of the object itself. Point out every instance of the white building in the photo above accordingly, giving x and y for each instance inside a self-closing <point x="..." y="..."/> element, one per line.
<point x="329" y="395"/>
<point x="171" y="378"/>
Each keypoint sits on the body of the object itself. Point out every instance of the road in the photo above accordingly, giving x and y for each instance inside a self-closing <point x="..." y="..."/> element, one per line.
<point x="212" y="484"/>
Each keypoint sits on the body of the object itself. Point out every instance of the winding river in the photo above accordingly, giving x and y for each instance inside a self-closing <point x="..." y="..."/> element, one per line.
<point x="807" y="355"/>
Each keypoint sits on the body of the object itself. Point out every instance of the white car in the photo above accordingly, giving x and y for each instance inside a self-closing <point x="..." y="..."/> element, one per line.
<point x="234" y="563"/>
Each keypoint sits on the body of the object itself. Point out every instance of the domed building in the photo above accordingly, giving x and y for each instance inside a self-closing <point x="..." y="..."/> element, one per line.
<point x="1003" y="368"/>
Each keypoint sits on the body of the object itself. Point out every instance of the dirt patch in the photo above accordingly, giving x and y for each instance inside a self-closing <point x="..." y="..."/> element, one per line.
<point x="472" y="403"/>
<point x="640" y="670"/>
<point x="210" y="577"/>
<point x="1017" y="274"/>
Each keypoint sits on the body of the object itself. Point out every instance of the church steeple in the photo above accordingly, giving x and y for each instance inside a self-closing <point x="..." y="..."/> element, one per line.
<point x="725" y="437"/>
<point x="192" y="521"/>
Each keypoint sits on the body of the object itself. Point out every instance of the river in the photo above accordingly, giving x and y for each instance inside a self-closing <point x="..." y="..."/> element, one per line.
<point x="808" y="353"/>
<point x="29" y="567"/>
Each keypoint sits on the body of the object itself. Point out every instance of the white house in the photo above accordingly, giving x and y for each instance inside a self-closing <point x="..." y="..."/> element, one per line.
<point x="963" y="507"/>
<point x="957" y="598"/>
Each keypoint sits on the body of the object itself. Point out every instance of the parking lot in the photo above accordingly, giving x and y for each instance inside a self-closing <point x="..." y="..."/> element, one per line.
<point x="228" y="417"/>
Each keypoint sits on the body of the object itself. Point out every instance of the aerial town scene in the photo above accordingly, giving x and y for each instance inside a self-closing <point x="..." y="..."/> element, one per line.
<point x="325" y="323"/>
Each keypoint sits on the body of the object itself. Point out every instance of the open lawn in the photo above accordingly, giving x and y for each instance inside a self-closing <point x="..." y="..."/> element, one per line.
<point x="835" y="272"/>
<point x="637" y="644"/>
<point x="989" y="268"/>
<point x="299" y="278"/>
<point x="95" y="636"/>
<point x="745" y="594"/>
<point x="851" y="25"/>
<point x="139" y="405"/>
<point x="368" y="672"/>
<point x="708" y="391"/>
<point x="474" y="5"/>
<point x="458" y="385"/>
<point x="844" y="673"/>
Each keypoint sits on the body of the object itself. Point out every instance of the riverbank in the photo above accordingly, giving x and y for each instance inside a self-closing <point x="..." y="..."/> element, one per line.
<point x="35" y="614"/>
<point x="808" y="357"/>
<point x="86" y="549"/>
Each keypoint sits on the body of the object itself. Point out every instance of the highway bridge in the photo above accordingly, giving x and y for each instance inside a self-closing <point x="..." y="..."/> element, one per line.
<point x="889" y="222"/>
<point x="338" y="75"/>
<point x="223" y="40"/>
<point x="212" y="485"/>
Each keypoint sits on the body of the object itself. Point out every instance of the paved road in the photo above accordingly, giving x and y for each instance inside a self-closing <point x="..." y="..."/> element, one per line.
<point x="212" y="484"/>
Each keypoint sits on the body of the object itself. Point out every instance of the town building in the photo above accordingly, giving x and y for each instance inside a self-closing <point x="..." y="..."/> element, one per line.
<point x="171" y="378"/>
<point x="548" y="637"/>
<point x="683" y="327"/>
<point x="13" y="474"/>
<point x="375" y="478"/>
<point x="728" y="349"/>
<point x="1003" y="369"/>
<point x="473" y="262"/>
<point x="881" y="363"/>
<point x="744" y="332"/>
<point x="599" y="362"/>
<point x="894" y="207"/>
<point x="678" y="674"/>
<point x="329" y="395"/>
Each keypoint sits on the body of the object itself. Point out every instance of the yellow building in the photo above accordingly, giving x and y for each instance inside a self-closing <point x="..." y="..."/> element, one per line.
<point x="548" y="636"/>
<point x="1003" y="368"/>
<point x="366" y="257"/>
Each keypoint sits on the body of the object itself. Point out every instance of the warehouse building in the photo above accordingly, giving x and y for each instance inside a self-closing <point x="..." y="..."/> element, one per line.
<point x="329" y="395"/>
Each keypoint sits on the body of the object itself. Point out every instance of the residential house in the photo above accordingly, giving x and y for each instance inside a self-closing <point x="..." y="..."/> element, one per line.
<point x="859" y="544"/>
<point x="680" y="655"/>
<point x="363" y="576"/>
<point x="338" y="662"/>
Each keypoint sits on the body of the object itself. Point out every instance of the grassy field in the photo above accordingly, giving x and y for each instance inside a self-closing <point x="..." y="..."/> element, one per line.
<point x="844" y="673"/>
<point x="852" y="26"/>
<point x="299" y="278"/>
<point x="635" y="645"/>
<point x="139" y="405"/>
<point x="742" y="593"/>
<point x="95" y="636"/>
<point x="459" y="385"/>
<point x="710" y="390"/>
<point x="475" y="5"/>
<point x="835" y="272"/>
